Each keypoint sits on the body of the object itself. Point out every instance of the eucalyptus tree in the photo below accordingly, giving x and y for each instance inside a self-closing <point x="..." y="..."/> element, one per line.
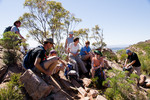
<point x="83" y="34"/>
<point x="46" y="19"/>
<point x="97" y="36"/>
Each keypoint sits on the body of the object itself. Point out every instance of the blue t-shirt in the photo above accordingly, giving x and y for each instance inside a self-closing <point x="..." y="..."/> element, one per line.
<point x="83" y="49"/>
<point x="15" y="29"/>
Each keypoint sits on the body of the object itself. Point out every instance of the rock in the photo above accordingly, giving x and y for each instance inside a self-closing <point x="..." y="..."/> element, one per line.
<point x="86" y="82"/>
<point x="6" y="77"/>
<point x="99" y="97"/>
<point x="34" y="85"/>
<point x="86" y="98"/>
<point x="3" y="70"/>
<point x="142" y="79"/>
<point x="94" y="93"/>
<point x="3" y="85"/>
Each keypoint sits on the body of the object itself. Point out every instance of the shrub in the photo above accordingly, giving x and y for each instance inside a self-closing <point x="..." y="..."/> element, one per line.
<point x="13" y="90"/>
<point x="121" y="86"/>
<point x="11" y="44"/>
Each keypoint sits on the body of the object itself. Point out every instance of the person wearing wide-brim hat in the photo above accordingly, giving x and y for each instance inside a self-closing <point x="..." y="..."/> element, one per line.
<point x="38" y="61"/>
<point x="97" y="65"/>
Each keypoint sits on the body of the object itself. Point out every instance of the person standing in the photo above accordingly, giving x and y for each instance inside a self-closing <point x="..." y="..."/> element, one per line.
<point x="69" y="40"/>
<point x="16" y="30"/>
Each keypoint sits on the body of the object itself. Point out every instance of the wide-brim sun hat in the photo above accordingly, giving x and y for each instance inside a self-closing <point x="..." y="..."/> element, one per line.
<point x="50" y="40"/>
<point x="98" y="52"/>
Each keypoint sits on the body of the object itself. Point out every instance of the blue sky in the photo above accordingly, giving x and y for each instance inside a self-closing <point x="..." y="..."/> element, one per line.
<point x="125" y="22"/>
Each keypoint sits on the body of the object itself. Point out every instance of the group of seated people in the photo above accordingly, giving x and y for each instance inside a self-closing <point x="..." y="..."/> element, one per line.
<point x="52" y="64"/>
<point x="78" y="57"/>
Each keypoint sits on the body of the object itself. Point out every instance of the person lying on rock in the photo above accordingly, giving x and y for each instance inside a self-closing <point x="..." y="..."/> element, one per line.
<point x="98" y="65"/>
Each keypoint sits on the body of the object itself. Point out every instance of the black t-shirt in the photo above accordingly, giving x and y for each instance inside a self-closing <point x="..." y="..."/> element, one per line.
<point x="134" y="57"/>
<point x="38" y="52"/>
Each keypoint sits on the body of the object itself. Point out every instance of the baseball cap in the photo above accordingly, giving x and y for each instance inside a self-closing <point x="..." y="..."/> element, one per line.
<point x="71" y="32"/>
<point x="128" y="51"/>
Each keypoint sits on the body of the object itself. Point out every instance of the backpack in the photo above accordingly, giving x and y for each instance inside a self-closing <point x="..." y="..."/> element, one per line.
<point x="71" y="73"/>
<point x="27" y="57"/>
<point x="7" y="29"/>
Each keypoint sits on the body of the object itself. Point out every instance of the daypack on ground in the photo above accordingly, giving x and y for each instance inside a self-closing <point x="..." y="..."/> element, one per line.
<point x="27" y="58"/>
<point x="7" y="29"/>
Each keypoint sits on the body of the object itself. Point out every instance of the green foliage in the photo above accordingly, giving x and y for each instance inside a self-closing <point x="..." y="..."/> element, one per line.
<point x="11" y="43"/>
<point x="10" y="40"/>
<point x="13" y="90"/>
<point x="122" y="54"/>
<point x="98" y="37"/>
<point x="110" y="56"/>
<point x="47" y="19"/>
<point x="94" y="82"/>
<point x="120" y="86"/>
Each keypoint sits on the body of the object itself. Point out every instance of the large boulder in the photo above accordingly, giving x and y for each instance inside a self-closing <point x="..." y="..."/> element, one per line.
<point x="34" y="85"/>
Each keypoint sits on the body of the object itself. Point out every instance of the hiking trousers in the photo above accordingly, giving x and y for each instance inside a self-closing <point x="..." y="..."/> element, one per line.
<point x="77" y="61"/>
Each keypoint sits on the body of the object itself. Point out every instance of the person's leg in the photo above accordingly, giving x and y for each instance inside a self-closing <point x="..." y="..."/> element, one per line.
<point x="81" y="64"/>
<point x="72" y="60"/>
<point x="138" y="70"/>
<point x="50" y="64"/>
<point x="86" y="57"/>
<point x="93" y="72"/>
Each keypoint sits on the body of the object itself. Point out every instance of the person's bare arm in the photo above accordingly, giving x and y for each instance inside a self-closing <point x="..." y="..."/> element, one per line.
<point x="66" y="44"/>
<point x="20" y="35"/>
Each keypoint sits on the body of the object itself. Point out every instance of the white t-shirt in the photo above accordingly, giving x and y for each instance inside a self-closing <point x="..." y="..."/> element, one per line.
<point x="73" y="48"/>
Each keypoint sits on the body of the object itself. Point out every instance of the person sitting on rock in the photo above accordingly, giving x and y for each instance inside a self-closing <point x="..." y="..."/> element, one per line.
<point x="98" y="65"/>
<point x="86" y="55"/>
<point x="61" y="64"/>
<point x="106" y="65"/>
<point x="86" y="52"/>
<point x="37" y="60"/>
<point x="74" y="58"/>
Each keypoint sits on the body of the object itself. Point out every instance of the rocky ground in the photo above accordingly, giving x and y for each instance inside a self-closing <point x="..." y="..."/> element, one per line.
<point x="59" y="88"/>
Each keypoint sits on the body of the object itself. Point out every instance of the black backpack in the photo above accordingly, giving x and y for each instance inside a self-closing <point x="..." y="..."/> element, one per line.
<point x="7" y="29"/>
<point x="26" y="60"/>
